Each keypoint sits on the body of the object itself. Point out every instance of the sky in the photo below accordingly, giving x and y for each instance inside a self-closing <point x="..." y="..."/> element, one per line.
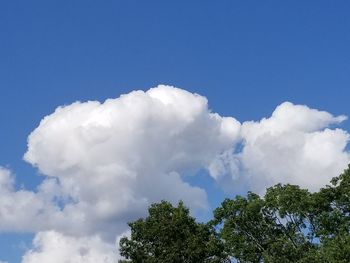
<point x="220" y="97"/>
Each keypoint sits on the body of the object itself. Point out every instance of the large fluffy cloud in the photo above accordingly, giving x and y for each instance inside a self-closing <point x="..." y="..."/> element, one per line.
<point x="104" y="163"/>
<point x="111" y="160"/>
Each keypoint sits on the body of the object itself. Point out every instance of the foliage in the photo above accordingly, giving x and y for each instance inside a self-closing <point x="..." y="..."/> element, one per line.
<point x="170" y="235"/>
<point x="287" y="224"/>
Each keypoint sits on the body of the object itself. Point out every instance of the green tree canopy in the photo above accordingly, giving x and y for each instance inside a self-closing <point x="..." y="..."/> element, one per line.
<point x="170" y="235"/>
<point x="287" y="224"/>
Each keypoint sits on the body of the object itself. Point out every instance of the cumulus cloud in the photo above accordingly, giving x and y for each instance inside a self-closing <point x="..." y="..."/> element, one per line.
<point x="104" y="163"/>
<point x="111" y="160"/>
<point x="295" y="145"/>
<point x="55" y="247"/>
<point x="18" y="208"/>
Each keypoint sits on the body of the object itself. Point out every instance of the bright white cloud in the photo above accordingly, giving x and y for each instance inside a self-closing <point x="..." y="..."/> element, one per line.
<point x="107" y="162"/>
<point x="104" y="163"/>
<point x="295" y="145"/>
<point x="55" y="247"/>
<point x="19" y="207"/>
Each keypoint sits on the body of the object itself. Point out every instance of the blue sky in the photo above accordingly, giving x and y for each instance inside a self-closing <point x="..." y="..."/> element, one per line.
<point x="245" y="57"/>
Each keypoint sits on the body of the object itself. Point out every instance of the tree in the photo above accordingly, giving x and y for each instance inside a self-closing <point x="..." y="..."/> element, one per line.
<point x="288" y="224"/>
<point x="170" y="235"/>
<point x="332" y="206"/>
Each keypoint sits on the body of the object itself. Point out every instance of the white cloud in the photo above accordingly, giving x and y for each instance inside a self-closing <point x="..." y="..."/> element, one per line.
<point x="295" y="145"/>
<point x="18" y="208"/>
<point x="55" y="247"/>
<point x="104" y="163"/>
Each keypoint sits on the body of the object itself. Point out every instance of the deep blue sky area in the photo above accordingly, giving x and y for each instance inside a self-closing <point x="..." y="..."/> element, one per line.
<point x="246" y="57"/>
